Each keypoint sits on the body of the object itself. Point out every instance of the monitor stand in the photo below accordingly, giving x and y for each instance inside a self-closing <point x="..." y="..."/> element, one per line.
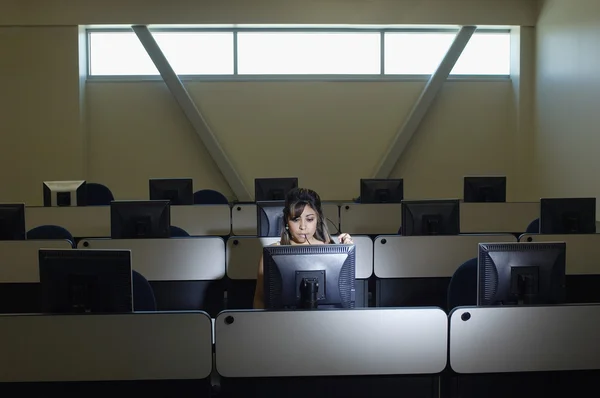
<point x="309" y="289"/>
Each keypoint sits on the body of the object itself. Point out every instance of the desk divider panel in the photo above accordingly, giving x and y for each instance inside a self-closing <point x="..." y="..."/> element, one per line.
<point x="243" y="254"/>
<point x="243" y="218"/>
<point x="358" y="342"/>
<point x="370" y="219"/>
<point x="80" y="221"/>
<point x="200" y="220"/>
<point x="137" y="346"/>
<point x="524" y="339"/>
<point x="172" y="259"/>
<point x="427" y="256"/>
<point x="19" y="259"/>
<point x="583" y="251"/>
<point x="500" y="217"/>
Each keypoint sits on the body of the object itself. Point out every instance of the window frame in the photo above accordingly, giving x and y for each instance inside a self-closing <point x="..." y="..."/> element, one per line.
<point x="235" y="77"/>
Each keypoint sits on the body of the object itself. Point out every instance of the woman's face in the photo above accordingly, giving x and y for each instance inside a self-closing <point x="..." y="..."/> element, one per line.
<point x="303" y="228"/>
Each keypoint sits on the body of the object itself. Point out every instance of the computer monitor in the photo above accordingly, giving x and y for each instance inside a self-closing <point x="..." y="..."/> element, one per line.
<point x="84" y="281"/>
<point x="430" y="217"/>
<point x="273" y="188"/>
<point x="12" y="221"/>
<point x="381" y="190"/>
<point x="269" y="218"/>
<point x="568" y="215"/>
<point x="309" y="276"/>
<point x="484" y="189"/>
<point x="65" y="193"/>
<point x="525" y="273"/>
<point x="179" y="191"/>
<point x="140" y="219"/>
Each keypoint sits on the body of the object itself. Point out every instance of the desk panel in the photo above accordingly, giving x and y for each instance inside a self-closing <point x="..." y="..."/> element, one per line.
<point x="19" y="259"/>
<point x="172" y="259"/>
<point x="243" y="218"/>
<point x="139" y="346"/>
<point x="85" y="221"/>
<point x="370" y="219"/>
<point x="525" y="339"/>
<point x="243" y="254"/>
<point x="583" y="251"/>
<point x="502" y="217"/>
<point x="331" y="342"/>
<point x="427" y="256"/>
<point x="200" y="220"/>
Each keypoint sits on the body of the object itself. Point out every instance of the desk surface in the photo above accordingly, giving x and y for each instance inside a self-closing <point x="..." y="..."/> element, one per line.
<point x="138" y="346"/>
<point x="331" y="342"/>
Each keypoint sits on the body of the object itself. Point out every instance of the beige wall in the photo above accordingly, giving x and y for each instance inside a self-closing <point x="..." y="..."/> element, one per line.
<point x="568" y="94"/>
<point x="328" y="134"/>
<point x="78" y="12"/>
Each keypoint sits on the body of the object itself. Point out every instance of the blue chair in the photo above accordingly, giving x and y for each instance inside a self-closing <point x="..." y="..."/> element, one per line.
<point x="533" y="227"/>
<point x="462" y="290"/>
<point x="143" y="294"/>
<point x="49" y="232"/>
<point x="98" y="194"/>
<point x="177" y="232"/>
<point x="209" y="197"/>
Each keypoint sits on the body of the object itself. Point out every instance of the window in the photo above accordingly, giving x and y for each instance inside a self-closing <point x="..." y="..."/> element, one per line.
<point x="279" y="52"/>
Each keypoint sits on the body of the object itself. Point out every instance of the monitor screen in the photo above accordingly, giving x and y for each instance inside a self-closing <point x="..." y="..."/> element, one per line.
<point x="568" y="215"/>
<point x="269" y="218"/>
<point x="85" y="281"/>
<point x="139" y="219"/>
<point x="430" y="217"/>
<point x="521" y="273"/>
<point x="12" y="221"/>
<point x="273" y="188"/>
<point x="309" y="276"/>
<point x="485" y="189"/>
<point x="381" y="190"/>
<point x="179" y="191"/>
<point x="64" y="193"/>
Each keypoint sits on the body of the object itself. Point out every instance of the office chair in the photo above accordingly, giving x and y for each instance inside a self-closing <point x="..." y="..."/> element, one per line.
<point x="143" y="294"/>
<point x="462" y="289"/>
<point x="533" y="227"/>
<point x="177" y="232"/>
<point x="209" y="197"/>
<point x="98" y="195"/>
<point x="49" y="232"/>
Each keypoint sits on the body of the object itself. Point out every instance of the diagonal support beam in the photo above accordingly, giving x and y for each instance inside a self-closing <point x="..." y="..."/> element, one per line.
<point x="192" y="113"/>
<point x="430" y="92"/>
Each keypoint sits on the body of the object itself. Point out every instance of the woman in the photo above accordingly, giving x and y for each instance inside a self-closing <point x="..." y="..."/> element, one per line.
<point x="304" y="225"/>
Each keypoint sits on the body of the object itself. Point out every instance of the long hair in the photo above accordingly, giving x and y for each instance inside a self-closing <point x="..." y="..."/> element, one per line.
<point x="295" y="202"/>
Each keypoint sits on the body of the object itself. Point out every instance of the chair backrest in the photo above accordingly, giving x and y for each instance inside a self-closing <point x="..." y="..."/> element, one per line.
<point x="209" y="197"/>
<point x="98" y="194"/>
<point x="143" y="294"/>
<point x="462" y="289"/>
<point x="533" y="227"/>
<point x="177" y="232"/>
<point x="49" y="232"/>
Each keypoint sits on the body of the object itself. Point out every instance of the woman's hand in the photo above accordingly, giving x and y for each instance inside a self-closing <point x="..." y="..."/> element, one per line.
<point x="346" y="239"/>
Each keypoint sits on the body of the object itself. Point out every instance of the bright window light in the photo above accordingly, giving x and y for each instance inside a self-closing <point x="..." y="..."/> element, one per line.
<point x="189" y="53"/>
<point x="420" y="53"/>
<point x="308" y="53"/>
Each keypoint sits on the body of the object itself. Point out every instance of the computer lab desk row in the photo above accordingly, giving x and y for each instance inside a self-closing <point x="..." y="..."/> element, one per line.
<point x="176" y="346"/>
<point x="240" y="219"/>
<point x="213" y="258"/>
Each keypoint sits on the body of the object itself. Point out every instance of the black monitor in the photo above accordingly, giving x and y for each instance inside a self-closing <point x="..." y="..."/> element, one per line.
<point x="430" y="217"/>
<point x="269" y="218"/>
<point x="309" y="276"/>
<point x="521" y="273"/>
<point x="179" y="191"/>
<point x="485" y="189"/>
<point x="273" y="188"/>
<point x="85" y="281"/>
<point x="381" y="190"/>
<point x="65" y="193"/>
<point x="12" y="221"/>
<point x="568" y="215"/>
<point x="139" y="219"/>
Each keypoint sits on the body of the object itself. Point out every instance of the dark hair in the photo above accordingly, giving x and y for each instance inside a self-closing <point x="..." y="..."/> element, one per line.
<point x="295" y="202"/>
